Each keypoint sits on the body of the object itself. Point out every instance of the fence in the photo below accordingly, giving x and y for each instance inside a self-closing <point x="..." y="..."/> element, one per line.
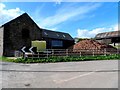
<point x="68" y="52"/>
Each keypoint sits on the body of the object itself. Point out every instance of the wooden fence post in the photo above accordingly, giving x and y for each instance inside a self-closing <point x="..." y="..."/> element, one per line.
<point x="47" y="53"/>
<point x="80" y="54"/>
<point x="38" y="55"/>
<point x="32" y="56"/>
<point x="52" y="52"/>
<point x="66" y="52"/>
<point x="93" y="52"/>
<point x="105" y="52"/>
<point x="117" y="51"/>
<point x="23" y="54"/>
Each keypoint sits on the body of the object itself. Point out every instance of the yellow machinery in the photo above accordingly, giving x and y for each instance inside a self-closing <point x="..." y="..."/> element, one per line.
<point x="41" y="45"/>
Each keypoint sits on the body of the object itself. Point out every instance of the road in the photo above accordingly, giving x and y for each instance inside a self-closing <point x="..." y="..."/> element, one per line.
<point x="84" y="74"/>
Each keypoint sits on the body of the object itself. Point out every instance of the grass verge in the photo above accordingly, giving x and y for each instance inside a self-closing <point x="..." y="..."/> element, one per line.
<point x="63" y="59"/>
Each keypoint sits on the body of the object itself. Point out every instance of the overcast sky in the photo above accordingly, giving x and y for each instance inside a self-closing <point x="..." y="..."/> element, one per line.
<point x="79" y="19"/>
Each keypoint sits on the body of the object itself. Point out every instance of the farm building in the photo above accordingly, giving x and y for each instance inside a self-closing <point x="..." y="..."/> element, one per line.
<point x="22" y="30"/>
<point x="112" y="38"/>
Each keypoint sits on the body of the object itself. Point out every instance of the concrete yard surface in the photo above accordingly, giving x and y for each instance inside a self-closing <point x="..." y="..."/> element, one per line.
<point x="83" y="74"/>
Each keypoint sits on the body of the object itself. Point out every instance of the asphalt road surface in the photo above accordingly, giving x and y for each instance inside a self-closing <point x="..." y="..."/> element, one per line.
<point x="84" y="74"/>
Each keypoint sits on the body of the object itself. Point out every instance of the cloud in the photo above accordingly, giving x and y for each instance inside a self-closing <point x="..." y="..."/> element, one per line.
<point x="115" y="27"/>
<point x="84" y="33"/>
<point x="68" y="12"/>
<point x="58" y="2"/>
<point x="8" y="14"/>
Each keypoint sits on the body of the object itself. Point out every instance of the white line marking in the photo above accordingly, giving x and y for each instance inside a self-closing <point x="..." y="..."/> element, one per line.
<point x="66" y="80"/>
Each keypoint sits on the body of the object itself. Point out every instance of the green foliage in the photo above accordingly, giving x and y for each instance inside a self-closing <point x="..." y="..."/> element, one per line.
<point x="63" y="59"/>
<point x="80" y="39"/>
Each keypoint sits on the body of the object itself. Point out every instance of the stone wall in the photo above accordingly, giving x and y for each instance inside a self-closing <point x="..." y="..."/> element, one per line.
<point x="18" y="33"/>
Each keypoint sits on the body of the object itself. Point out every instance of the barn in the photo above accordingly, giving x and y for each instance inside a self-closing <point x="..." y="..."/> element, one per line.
<point x="112" y="38"/>
<point x="22" y="30"/>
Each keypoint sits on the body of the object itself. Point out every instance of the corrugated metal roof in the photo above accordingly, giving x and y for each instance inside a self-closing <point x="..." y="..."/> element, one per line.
<point x="108" y="35"/>
<point x="56" y="35"/>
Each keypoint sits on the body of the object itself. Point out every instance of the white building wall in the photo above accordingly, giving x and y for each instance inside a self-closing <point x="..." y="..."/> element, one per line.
<point x="1" y="40"/>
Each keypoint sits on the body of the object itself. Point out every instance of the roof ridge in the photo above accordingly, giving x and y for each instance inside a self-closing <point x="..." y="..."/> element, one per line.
<point x="109" y="32"/>
<point x="55" y="31"/>
<point x="15" y="18"/>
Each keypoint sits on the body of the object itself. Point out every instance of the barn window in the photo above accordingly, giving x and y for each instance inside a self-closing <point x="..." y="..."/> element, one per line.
<point x="57" y="43"/>
<point x="45" y="33"/>
<point x="25" y="33"/>
<point x="57" y="35"/>
<point x="63" y="35"/>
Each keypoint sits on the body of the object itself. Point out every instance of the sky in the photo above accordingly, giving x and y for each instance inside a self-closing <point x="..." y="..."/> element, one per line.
<point x="79" y="19"/>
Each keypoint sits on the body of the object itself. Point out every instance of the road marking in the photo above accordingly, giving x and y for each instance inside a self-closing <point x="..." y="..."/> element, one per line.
<point x="72" y="78"/>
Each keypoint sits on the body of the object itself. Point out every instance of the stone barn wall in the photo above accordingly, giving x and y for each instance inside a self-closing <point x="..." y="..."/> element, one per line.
<point x="18" y="33"/>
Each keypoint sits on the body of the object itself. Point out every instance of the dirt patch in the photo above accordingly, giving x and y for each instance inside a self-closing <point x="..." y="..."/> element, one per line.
<point x="90" y="45"/>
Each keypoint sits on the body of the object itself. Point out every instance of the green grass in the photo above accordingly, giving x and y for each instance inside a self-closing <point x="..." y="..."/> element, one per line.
<point x="6" y="59"/>
<point x="63" y="59"/>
